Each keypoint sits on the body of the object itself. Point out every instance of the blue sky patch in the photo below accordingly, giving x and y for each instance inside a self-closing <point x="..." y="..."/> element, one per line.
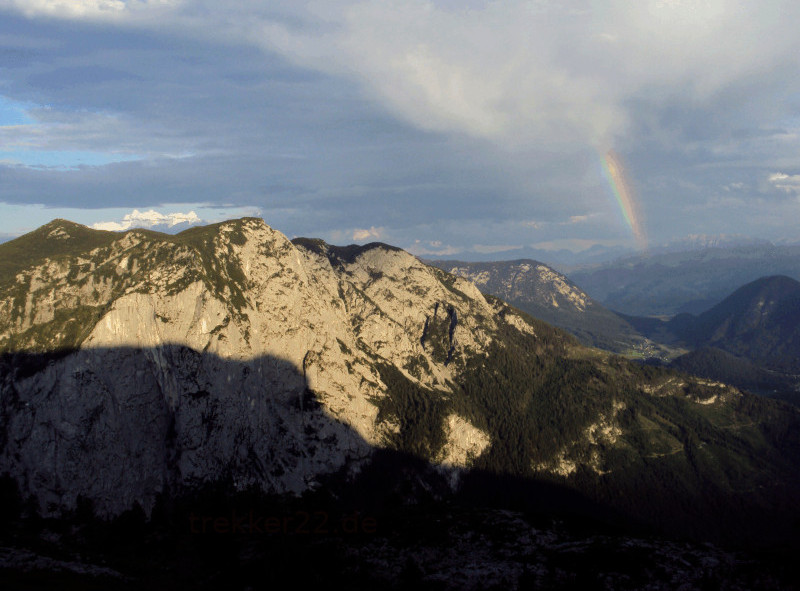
<point x="63" y="159"/>
<point x="14" y="113"/>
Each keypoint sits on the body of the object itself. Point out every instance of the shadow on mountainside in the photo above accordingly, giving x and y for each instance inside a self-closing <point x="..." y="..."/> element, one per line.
<point x="122" y="427"/>
<point x="169" y="465"/>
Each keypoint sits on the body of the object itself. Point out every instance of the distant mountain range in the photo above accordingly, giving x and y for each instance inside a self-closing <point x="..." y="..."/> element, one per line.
<point x="690" y="281"/>
<point x="569" y="261"/>
<point x="555" y="257"/>
<point x="705" y="241"/>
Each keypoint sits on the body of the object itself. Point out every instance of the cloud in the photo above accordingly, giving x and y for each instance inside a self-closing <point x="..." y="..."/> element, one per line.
<point x="491" y="73"/>
<point x="524" y="72"/>
<point x="362" y="234"/>
<point x="432" y="248"/>
<point x="790" y="183"/>
<point x="149" y="219"/>
<point x="88" y="9"/>
<point x="111" y="137"/>
<point x="510" y="72"/>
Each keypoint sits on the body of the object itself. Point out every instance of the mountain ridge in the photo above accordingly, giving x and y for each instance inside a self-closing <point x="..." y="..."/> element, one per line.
<point x="750" y="339"/>
<point x="209" y="324"/>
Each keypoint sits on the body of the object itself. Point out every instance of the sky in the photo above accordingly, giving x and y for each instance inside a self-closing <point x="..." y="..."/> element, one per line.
<point x="443" y="127"/>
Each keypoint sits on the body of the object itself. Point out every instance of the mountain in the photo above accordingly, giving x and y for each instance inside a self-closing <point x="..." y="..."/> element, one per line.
<point x="542" y="292"/>
<point x="172" y="223"/>
<point x="563" y="257"/>
<point x="759" y="321"/>
<point x="691" y="281"/>
<point x="748" y="340"/>
<point x="140" y="369"/>
<point x="694" y="242"/>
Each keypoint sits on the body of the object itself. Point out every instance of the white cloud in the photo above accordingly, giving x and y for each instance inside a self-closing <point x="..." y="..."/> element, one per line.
<point x="365" y="234"/>
<point x="517" y="72"/>
<point x="432" y="248"/>
<point x="489" y="73"/>
<point x="149" y="219"/>
<point x="790" y="183"/>
<point x="87" y="9"/>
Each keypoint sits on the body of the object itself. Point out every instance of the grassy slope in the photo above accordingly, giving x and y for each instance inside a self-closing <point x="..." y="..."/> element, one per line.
<point x="45" y="243"/>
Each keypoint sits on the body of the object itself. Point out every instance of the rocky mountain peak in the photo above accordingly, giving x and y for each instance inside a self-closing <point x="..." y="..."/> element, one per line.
<point x="239" y="294"/>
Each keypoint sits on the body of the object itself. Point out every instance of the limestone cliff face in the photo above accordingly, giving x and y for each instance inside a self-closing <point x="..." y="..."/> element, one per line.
<point x="153" y="362"/>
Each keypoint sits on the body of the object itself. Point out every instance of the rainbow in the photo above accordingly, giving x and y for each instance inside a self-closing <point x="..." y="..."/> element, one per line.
<point x="615" y="173"/>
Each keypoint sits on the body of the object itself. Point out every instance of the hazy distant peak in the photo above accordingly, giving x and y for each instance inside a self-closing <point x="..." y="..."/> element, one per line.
<point x="703" y="241"/>
<point x="150" y="219"/>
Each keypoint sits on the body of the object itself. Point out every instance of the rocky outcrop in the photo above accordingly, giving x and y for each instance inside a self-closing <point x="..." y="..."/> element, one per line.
<point x="119" y="426"/>
<point x="465" y="442"/>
